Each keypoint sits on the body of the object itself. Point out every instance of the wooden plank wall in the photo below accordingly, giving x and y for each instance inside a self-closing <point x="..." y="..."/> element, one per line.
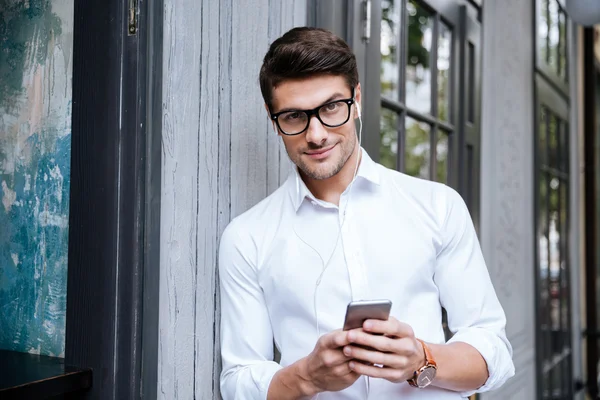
<point x="220" y="157"/>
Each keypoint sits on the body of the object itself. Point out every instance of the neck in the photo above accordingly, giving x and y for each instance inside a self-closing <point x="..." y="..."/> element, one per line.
<point x="331" y="189"/>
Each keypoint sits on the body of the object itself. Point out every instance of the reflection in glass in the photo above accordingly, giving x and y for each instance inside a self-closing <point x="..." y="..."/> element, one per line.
<point x="562" y="45"/>
<point x="442" y="157"/>
<point x="552" y="141"/>
<point x="553" y="34"/>
<point x="554" y="254"/>
<point x="542" y="141"/>
<point x="443" y="66"/>
<point x="543" y="29"/>
<point x="417" y="148"/>
<point x="564" y="146"/>
<point x="390" y="49"/>
<point x="542" y="234"/>
<point x="418" y="73"/>
<point x="564" y="281"/>
<point x="388" y="144"/>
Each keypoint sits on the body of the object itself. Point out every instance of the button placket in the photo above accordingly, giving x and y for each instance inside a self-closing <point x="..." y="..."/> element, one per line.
<point x="354" y="263"/>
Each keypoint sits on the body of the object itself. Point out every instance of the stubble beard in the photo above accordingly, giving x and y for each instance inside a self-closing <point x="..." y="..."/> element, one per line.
<point x="323" y="171"/>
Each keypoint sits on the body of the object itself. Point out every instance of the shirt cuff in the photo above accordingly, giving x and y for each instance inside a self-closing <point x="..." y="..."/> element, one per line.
<point x="262" y="375"/>
<point x="496" y="352"/>
<point x="249" y="382"/>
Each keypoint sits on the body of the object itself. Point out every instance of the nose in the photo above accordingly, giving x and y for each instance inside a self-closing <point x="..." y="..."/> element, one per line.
<point x="316" y="132"/>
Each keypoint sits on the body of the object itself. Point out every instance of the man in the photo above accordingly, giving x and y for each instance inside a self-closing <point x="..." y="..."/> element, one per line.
<point x="344" y="228"/>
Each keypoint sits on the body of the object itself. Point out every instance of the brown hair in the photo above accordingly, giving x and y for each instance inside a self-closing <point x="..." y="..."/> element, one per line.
<point x="304" y="52"/>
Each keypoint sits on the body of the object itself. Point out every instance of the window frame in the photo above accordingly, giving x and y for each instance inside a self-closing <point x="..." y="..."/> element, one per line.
<point x="552" y="92"/>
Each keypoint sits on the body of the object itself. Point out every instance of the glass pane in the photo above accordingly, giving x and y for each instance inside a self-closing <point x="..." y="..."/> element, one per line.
<point x="36" y="97"/>
<point x="557" y="383"/>
<point x="388" y="147"/>
<point x="441" y="157"/>
<point x="543" y="30"/>
<point x="562" y="45"/>
<point x="564" y="146"/>
<point x="443" y="66"/>
<point x="542" y="145"/>
<point x="417" y="148"/>
<point x="418" y="73"/>
<point x="553" y="141"/>
<point x="564" y="270"/>
<point x="542" y="234"/>
<point x="545" y="385"/>
<point x="390" y="49"/>
<point x="553" y="35"/>
<point x="554" y="258"/>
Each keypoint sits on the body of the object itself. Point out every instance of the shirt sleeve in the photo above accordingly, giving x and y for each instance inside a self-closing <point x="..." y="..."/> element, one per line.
<point x="475" y="315"/>
<point x="246" y="333"/>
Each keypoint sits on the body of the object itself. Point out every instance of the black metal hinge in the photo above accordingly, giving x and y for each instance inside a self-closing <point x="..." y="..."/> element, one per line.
<point x="132" y="17"/>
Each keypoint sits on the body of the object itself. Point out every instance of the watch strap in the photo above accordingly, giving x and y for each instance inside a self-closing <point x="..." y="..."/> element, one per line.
<point x="429" y="363"/>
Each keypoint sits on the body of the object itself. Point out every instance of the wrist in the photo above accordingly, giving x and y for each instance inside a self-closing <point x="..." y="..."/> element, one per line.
<point x="306" y="385"/>
<point x="292" y="382"/>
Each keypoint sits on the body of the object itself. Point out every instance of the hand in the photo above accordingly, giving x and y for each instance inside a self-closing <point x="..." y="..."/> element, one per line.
<point x="391" y="344"/>
<point x="326" y="368"/>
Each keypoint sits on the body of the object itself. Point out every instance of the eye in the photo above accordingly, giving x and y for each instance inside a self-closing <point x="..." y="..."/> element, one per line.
<point x="331" y="107"/>
<point x="292" y="116"/>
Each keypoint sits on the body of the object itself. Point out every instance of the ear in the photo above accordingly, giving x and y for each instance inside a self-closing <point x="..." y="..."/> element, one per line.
<point x="272" y="122"/>
<point x="357" y="101"/>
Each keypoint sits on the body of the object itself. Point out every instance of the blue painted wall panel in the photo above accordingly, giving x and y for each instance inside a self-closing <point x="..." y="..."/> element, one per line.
<point x="36" y="38"/>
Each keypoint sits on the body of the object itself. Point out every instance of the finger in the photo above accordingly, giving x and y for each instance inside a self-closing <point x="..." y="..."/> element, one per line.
<point x="375" y="357"/>
<point x="343" y="369"/>
<point x="335" y="339"/>
<point x="333" y="358"/>
<point x="391" y="374"/>
<point x="391" y="327"/>
<point x="381" y="343"/>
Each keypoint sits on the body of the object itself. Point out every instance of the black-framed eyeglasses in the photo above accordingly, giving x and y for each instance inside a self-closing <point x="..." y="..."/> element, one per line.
<point x="332" y="114"/>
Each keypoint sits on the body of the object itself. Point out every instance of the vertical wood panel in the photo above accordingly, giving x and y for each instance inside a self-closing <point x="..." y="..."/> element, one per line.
<point x="276" y="17"/>
<point x="178" y="253"/>
<point x="224" y="181"/>
<point x="221" y="157"/>
<point x="249" y="128"/>
<point x="208" y="175"/>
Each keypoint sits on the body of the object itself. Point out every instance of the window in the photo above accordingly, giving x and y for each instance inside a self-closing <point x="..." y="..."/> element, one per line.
<point x="554" y="359"/>
<point x="429" y="93"/>
<point x="415" y="119"/>
<point x="429" y="102"/>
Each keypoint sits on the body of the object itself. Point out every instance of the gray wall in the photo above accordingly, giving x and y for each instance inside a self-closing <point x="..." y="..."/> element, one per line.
<point x="220" y="157"/>
<point x="507" y="232"/>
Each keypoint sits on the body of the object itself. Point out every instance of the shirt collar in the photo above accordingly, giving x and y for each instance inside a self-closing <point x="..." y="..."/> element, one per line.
<point x="366" y="170"/>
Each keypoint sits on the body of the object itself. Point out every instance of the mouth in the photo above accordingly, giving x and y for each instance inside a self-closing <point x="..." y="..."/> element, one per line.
<point x="320" y="154"/>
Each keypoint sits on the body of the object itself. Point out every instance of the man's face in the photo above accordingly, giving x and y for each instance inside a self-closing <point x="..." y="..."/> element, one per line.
<point x="320" y="152"/>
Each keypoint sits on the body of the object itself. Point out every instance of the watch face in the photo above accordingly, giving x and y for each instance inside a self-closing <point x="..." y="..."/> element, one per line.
<point x="426" y="377"/>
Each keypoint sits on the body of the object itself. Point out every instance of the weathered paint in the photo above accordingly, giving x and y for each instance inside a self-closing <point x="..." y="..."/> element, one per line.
<point x="35" y="155"/>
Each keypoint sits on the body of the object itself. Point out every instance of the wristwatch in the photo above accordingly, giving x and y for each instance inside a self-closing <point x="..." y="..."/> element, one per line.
<point x="426" y="374"/>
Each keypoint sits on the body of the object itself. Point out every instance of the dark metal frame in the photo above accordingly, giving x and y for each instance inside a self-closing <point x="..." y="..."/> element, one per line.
<point x="591" y="334"/>
<point x="112" y="302"/>
<point x="551" y="93"/>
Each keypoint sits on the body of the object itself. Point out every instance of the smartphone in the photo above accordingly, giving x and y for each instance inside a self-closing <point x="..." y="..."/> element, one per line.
<point x="358" y="312"/>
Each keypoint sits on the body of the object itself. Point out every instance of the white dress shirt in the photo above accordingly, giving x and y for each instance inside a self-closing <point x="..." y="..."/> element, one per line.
<point x="404" y="239"/>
